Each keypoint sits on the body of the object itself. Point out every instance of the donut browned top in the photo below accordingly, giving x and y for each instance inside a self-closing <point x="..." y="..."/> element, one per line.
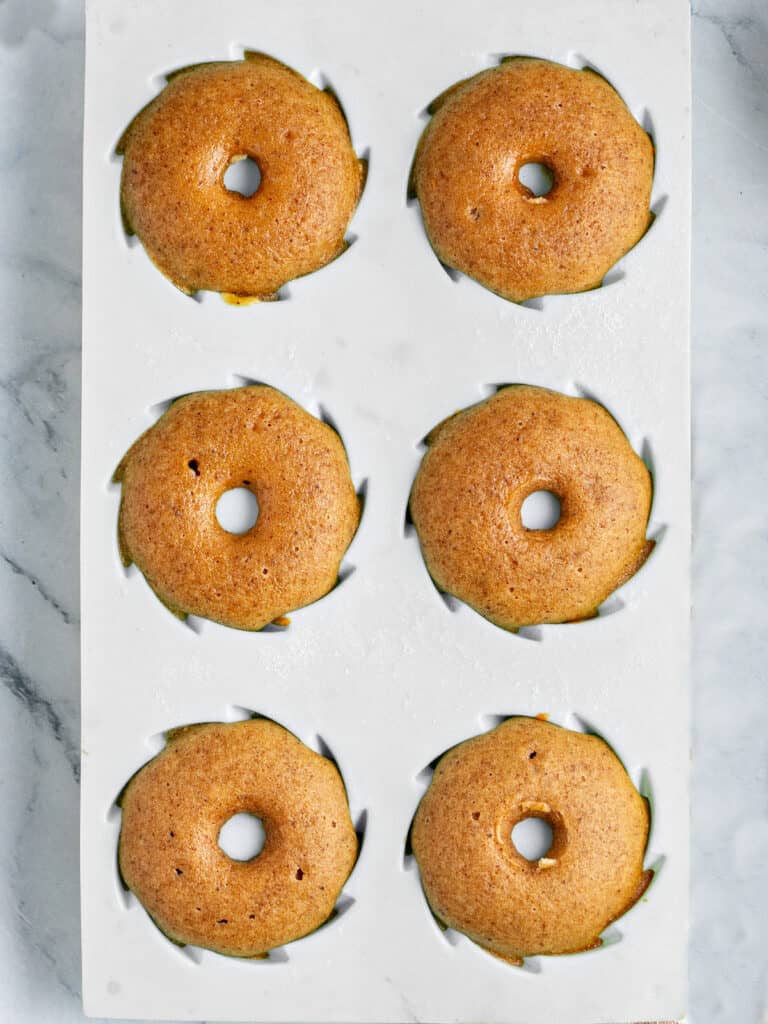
<point x="482" y="463"/>
<point x="174" y="808"/>
<point x="200" y="234"/>
<point x="210" y="442"/>
<point x="477" y="882"/>
<point x="482" y="221"/>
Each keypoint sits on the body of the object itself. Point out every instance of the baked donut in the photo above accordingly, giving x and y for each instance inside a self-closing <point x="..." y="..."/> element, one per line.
<point x="481" y="219"/>
<point x="473" y="876"/>
<point x="479" y="467"/>
<point x="174" y="808"/>
<point x="205" y="444"/>
<point x="177" y="149"/>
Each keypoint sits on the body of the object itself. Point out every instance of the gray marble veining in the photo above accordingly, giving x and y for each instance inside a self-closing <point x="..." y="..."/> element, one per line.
<point x="41" y="44"/>
<point x="729" y="966"/>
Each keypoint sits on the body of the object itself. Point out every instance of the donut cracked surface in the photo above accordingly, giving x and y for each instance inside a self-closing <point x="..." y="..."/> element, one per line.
<point x="474" y="878"/>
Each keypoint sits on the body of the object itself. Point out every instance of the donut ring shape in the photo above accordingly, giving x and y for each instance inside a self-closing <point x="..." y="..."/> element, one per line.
<point x="473" y="877"/>
<point x="480" y="466"/>
<point x="175" y="806"/>
<point x="207" y="443"/>
<point x="481" y="220"/>
<point x="200" y="234"/>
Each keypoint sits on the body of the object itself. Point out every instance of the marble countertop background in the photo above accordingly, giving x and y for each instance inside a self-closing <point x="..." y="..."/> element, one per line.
<point x="41" y="71"/>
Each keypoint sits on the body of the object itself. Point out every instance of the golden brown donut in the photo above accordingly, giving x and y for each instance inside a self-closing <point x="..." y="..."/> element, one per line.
<point x="474" y="878"/>
<point x="479" y="217"/>
<point x="200" y="234"/>
<point x="210" y="442"/>
<point x="174" y="808"/>
<point x="480" y="466"/>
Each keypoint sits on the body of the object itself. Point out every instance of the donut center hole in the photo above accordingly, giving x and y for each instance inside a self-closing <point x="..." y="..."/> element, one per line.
<point x="537" y="178"/>
<point x="237" y="510"/>
<point x="242" y="837"/>
<point x="532" y="838"/>
<point x="243" y="176"/>
<point x="540" y="511"/>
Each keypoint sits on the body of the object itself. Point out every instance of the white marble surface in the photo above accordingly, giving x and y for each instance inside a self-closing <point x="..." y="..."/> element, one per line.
<point x="41" y="55"/>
